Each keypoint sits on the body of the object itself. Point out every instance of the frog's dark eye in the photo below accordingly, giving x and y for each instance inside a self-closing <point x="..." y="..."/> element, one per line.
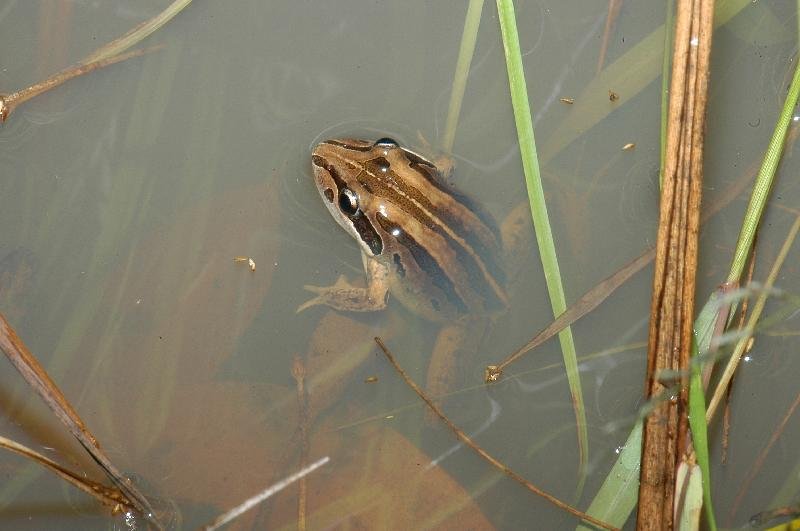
<point x="348" y="202"/>
<point x="386" y="142"/>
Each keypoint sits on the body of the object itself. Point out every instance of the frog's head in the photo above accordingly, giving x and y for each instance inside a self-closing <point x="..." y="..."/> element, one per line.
<point x="341" y="174"/>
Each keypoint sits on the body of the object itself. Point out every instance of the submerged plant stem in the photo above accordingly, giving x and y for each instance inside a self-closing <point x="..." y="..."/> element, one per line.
<point x="9" y="102"/>
<point x="480" y="451"/>
<point x="37" y="378"/>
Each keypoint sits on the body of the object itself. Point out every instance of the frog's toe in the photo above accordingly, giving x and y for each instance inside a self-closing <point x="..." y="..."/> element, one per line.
<point x="308" y="304"/>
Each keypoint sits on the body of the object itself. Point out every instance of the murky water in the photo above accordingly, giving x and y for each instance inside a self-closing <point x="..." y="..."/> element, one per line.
<point x="126" y="195"/>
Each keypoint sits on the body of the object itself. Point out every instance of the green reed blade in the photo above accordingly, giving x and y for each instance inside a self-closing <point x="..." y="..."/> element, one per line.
<point x="541" y="222"/>
<point x="465" y="53"/>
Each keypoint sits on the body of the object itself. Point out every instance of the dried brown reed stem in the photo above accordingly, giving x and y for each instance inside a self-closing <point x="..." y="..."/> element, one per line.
<point x="9" y="102"/>
<point x="672" y="307"/>
<point x="38" y="379"/>
<point x="108" y="496"/>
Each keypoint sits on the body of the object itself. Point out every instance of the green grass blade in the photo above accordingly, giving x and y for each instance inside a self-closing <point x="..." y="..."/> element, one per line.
<point x="749" y="328"/>
<point x="468" y="38"/>
<point x="541" y="222"/>
<point x="697" y="421"/>
<point x="766" y="175"/>
<point x="618" y="496"/>
<point x="704" y="324"/>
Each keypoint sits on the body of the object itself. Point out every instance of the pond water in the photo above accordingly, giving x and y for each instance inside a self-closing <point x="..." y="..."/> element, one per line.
<point x="127" y="193"/>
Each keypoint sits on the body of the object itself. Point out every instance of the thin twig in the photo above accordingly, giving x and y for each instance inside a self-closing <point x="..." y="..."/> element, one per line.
<point x="483" y="453"/>
<point x="9" y="102"/>
<point x="38" y="379"/>
<point x="726" y="418"/>
<point x="758" y="464"/>
<point x="299" y="374"/>
<point x="614" y="7"/>
<point x="108" y="496"/>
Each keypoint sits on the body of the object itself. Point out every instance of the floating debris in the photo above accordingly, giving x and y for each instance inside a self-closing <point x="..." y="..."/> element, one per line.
<point x="250" y="262"/>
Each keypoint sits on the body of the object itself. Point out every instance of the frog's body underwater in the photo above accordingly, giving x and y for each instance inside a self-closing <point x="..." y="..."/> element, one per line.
<point x="420" y="240"/>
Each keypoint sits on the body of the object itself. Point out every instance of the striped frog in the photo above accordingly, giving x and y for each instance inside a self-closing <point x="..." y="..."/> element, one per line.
<point x="421" y="241"/>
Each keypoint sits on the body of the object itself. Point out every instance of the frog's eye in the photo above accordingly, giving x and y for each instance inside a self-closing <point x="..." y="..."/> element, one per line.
<point x="386" y="142"/>
<point x="348" y="202"/>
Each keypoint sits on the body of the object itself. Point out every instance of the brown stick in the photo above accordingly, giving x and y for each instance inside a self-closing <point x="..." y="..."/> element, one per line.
<point x="108" y="496"/>
<point x="33" y="373"/>
<point x="299" y="374"/>
<point x="483" y="453"/>
<point x="672" y="307"/>
<point x="9" y="102"/>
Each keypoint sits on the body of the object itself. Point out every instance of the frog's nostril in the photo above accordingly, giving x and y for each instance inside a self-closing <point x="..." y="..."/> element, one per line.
<point x="328" y="195"/>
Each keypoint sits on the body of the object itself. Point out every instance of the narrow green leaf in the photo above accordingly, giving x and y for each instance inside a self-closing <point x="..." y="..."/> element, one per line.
<point x="619" y="493"/>
<point x="541" y="222"/>
<point x="758" y="198"/>
<point x="469" y="36"/>
<point x="697" y="421"/>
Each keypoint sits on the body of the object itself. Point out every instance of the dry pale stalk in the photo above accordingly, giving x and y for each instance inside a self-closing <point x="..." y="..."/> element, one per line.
<point x="672" y="307"/>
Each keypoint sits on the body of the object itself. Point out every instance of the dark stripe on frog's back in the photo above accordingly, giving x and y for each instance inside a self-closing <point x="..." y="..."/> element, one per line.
<point x="435" y="178"/>
<point x="427" y="263"/>
<point x="465" y="274"/>
<point x="480" y="228"/>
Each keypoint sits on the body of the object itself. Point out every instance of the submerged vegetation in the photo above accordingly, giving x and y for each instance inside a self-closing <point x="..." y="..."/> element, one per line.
<point x="178" y="356"/>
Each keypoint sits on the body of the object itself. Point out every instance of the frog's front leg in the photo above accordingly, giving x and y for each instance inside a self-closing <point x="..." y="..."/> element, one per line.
<point x="344" y="296"/>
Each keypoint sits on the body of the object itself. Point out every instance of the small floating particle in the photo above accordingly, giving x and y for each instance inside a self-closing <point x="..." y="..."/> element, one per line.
<point x="370" y="379"/>
<point x="389" y="417"/>
<point x="628" y="146"/>
<point x="250" y="262"/>
<point x="568" y="101"/>
<point x="612" y="96"/>
<point x="491" y="374"/>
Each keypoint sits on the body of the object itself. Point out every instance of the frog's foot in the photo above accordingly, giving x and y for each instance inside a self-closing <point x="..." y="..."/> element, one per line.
<point x="444" y="162"/>
<point x="344" y="296"/>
